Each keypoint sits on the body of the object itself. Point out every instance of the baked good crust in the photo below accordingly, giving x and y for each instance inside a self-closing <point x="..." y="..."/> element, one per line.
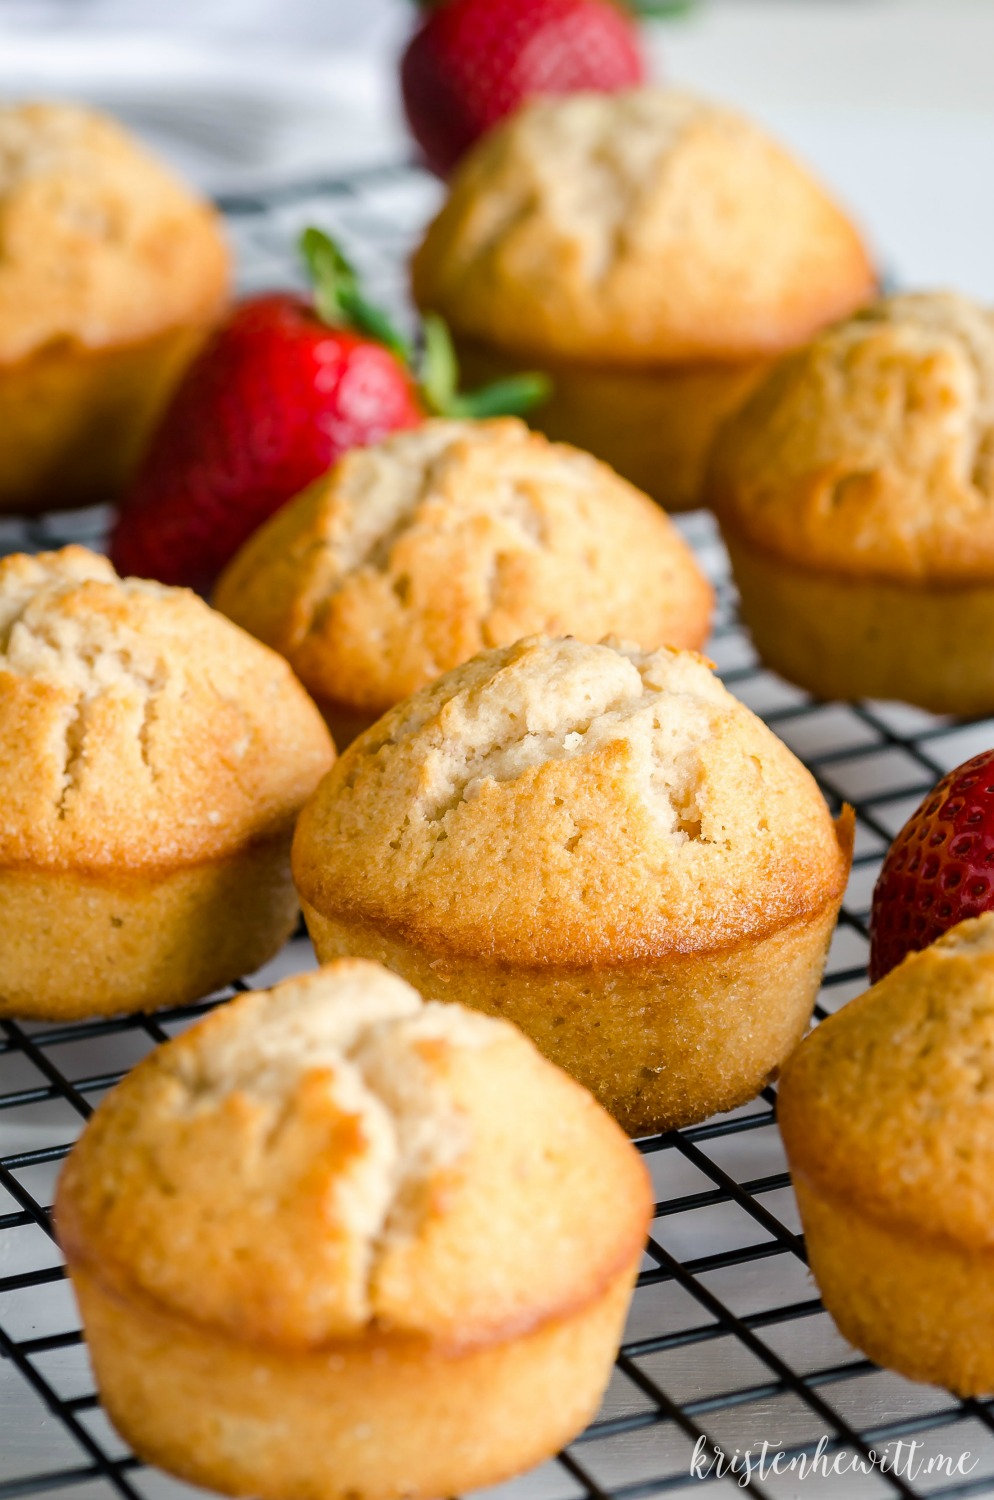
<point x="661" y="1043"/>
<point x="653" y="424"/>
<point x="644" y="227"/>
<point x="603" y="847"/>
<point x="887" y="1118"/>
<point x="869" y="454"/>
<point x="111" y="275"/>
<point x="926" y="643"/>
<point x="75" y="420"/>
<point x="919" y="1304"/>
<point x="78" y="944"/>
<point x="410" y="557"/>
<point x="149" y="731"/>
<point x="914" y="1148"/>
<point x="328" y="1213"/>
<point x="483" y="817"/>
<point x="102" y="246"/>
<point x="391" y="1418"/>
<point x="157" y="759"/>
<point x="854" y="491"/>
<point x="339" y="1112"/>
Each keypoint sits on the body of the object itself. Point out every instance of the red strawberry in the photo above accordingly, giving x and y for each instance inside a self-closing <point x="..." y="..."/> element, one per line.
<point x="283" y="388"/>
<point x="940" y="868"/>
<point x="471" y="62"/>
<point x="267" y="407"/>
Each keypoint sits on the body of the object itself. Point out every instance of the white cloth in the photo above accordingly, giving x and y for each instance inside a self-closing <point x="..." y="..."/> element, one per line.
<point x="231" y="91"/>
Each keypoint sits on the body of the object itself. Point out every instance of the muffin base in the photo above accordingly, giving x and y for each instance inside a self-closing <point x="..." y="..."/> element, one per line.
<point x="661" y="1043"/>
<point x="653" y="425"/>
<point x="76" y="944"/>
<point x="922" y="1307"/>
<point x="75" y="420"/>
<point x="375" y="1417"/>
<point x="869" y="638"/>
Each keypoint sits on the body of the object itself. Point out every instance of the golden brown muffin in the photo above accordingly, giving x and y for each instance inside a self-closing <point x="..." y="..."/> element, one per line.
<point x="601" y="845"/>
<point x="335" y="1242"/>
<point x="856" y="493"/>
<point x="887" y="1114"/>
<point x="652" y="252"/>
<point x="154" y="761"/>
<point x="411" y="556"/>
<point x="111" y="272"/>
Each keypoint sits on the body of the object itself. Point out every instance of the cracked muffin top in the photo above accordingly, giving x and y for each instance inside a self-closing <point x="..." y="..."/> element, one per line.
<point x="99" y="244"/>
<point x="411" y="556"/>
<point x="890" y="1102"/>
<point x="638" y="227"/>
<point x="333" y="1158"/>
<point x="871" y="452"/>
<point x="557" y="803"/>
<point x="141" y="727"/>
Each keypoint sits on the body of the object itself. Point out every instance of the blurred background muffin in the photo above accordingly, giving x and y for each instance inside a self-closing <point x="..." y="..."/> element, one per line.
<point x="111" y="272"/>
<point x="652" y="252"/>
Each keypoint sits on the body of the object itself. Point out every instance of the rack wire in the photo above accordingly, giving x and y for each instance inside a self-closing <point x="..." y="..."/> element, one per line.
<point x="727" y="1344"/>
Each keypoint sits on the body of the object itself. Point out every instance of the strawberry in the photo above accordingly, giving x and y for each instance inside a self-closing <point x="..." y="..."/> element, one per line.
<point x="940" y="868"/>
<point x="264" y="410"/>
<point x="285" y="386"/>
<point x="471" y="62"/>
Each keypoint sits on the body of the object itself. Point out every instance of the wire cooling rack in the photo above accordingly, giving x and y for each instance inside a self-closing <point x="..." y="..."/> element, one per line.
<point x="727" y="1345"/>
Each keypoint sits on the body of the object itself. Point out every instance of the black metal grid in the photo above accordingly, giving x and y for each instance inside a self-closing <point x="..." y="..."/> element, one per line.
<point x="727" y="1340"/>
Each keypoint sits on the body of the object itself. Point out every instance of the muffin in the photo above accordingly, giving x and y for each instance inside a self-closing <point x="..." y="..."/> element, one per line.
<point x="600" y="844"/>
<point x="855" y="493"/>
<point x="155" y="759"/>
<point x="887" y="1114"/>
<point x="653" y="252"/>
<point x="111" y="273"/>
<point x="334" y="1242"/>
<point x="410" y="557"/>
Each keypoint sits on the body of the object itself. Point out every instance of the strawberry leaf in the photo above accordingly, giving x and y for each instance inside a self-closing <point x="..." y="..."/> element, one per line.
<point x="512" y="397"/>
<point x="331" y="274"/>
<point x="440" y="382"/>
<point x="338" y="296"/>
<point x="367" y="318"/>
<point x="340" y="302"/>
<point x="439" y="367"/>
<point x="654" y="9"/>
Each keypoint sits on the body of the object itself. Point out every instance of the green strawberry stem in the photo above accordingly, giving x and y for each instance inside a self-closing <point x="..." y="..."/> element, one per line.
<point x="440" y="382"/>
<point x="338" y="296"/>
<point x="653" y="9"/>
<point x="339" y="302"/>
